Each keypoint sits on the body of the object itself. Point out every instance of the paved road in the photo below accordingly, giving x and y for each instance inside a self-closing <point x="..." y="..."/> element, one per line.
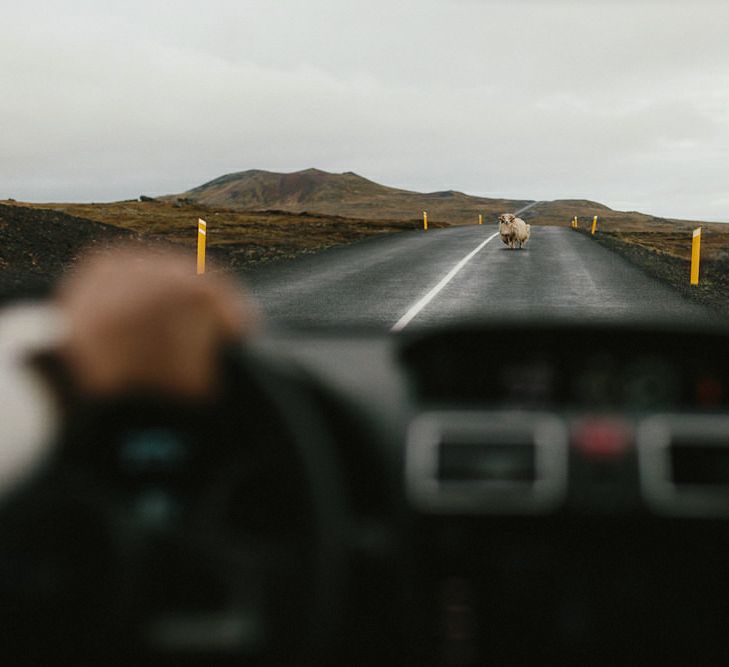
<point x="526" y="208"/>
<point x="415" y="279"/>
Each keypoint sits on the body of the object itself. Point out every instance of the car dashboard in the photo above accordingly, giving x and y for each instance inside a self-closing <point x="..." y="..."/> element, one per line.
<point x="561" y="491"/>
<point x="503" y="492"/>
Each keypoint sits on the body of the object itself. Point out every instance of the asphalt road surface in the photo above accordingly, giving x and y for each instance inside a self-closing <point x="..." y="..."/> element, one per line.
<point x="416" y="279"/>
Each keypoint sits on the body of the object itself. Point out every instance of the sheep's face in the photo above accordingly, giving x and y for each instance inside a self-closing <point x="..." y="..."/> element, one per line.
<point x="506" y="218"/>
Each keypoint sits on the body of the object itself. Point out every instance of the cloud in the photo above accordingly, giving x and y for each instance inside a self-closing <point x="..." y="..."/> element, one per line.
<point x="622" y="102"/>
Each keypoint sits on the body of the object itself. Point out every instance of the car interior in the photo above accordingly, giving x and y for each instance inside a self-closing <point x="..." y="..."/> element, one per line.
<point x="493" y="493"/>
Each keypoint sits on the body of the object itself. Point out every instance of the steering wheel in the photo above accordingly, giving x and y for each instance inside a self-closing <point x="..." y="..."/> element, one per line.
<point x="216" y="532"/>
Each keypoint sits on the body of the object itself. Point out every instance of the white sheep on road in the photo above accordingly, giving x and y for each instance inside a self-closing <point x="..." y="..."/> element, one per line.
<point x="514" y="231"/>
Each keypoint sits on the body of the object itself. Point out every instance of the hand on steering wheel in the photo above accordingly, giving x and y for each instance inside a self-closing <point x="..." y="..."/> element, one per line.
<point x="145" y="337"/>
<point x="140" y="319"/>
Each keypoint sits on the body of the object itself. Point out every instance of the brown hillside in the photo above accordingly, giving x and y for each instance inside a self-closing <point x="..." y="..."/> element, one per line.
<point x="37" y="246"/>
<point x="237" y="240"/>
<point x="347" y="194"/>
<point x="561" y="211"/>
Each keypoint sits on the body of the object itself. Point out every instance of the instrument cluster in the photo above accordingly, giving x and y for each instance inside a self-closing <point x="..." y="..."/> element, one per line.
<point x="547" y="369"/>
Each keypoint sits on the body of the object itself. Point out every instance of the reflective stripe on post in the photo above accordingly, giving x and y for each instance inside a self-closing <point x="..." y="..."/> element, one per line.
<point x="202" y="232"/>
<point x="695" y="256"/>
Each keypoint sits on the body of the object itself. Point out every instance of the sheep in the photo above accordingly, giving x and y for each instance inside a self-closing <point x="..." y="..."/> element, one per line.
<point x="514" y="231"/>
<point x="506" y="229"/>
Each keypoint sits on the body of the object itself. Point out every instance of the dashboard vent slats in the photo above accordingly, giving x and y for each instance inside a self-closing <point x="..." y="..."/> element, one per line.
<point x="684" y="464"/>
<point x="486" y="462"/>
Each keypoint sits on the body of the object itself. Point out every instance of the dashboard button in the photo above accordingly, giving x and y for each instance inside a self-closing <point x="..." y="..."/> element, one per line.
<point x="602" y="438"/>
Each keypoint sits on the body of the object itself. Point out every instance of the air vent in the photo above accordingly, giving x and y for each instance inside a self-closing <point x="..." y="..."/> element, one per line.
<point x="684" y="464"/>
<point x="486" y="462"/>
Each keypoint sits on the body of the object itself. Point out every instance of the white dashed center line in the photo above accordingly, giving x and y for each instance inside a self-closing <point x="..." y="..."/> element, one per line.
<point x="417" y="307"/>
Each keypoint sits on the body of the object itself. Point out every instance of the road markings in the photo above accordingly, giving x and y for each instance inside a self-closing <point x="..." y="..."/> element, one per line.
<point x="408" y="317"/>
<point x="527" y="207"/>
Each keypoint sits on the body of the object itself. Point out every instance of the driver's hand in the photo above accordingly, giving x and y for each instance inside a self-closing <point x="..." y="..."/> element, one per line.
<point x="141" y="320"/>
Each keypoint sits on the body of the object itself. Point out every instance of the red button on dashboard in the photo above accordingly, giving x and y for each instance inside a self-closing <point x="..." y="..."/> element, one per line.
<point x="601" y="438"/>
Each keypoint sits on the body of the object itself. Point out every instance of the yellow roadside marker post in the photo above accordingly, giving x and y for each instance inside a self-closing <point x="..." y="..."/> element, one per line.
<point x="594" y="225"/>
<point x="695" y="256"/>
<point x="425" y="221"/>
<point x="480" y="219"/>
<point x="201" y="236"/>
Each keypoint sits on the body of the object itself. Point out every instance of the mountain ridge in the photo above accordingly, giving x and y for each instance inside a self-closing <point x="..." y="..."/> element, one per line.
<point x="350" y="195"/>
<point x="346" y="194"/>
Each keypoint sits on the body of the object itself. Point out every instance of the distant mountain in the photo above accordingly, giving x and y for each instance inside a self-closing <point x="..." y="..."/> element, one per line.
<point x="347" y="194"/>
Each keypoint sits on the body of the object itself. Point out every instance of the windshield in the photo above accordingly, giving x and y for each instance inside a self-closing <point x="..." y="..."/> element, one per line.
<point x="384" y="165"/>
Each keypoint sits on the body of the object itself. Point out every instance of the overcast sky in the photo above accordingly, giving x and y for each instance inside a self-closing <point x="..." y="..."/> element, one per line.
<point x="624" y="102"/>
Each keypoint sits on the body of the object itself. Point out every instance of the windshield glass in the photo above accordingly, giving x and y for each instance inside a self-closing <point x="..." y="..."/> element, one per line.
<point x="383" y="165"/>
